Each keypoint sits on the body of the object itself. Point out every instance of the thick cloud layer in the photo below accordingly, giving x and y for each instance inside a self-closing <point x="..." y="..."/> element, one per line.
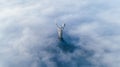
<point x="28" y="35"/>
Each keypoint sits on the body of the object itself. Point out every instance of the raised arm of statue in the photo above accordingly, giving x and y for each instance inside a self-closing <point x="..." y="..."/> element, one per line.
<point x="63" y="25"/>
<point x="60" y="26"/>
<point x="57" y="25"/>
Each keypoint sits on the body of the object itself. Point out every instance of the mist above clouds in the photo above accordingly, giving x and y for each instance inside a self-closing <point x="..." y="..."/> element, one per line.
<point x="29" y="38"/>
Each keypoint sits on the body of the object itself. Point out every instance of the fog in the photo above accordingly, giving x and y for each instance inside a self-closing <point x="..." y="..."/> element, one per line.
<point x="28" y="34"/>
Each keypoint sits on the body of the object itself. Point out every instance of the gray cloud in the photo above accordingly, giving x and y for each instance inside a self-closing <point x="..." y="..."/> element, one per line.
<point x="29" y="39"/>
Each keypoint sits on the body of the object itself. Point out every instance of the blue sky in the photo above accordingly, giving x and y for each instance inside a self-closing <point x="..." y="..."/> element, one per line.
<point x="28" y="35"/>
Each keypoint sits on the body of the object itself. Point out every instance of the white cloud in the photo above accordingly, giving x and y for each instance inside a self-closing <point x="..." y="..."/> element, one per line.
<point x="28" y="33"/>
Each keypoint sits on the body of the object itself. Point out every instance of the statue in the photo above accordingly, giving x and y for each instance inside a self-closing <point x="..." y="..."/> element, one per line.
<point x="60" y="30"/>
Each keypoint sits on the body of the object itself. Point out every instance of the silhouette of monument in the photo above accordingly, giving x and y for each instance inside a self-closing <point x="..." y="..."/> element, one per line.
<point x="60" y="30"/>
